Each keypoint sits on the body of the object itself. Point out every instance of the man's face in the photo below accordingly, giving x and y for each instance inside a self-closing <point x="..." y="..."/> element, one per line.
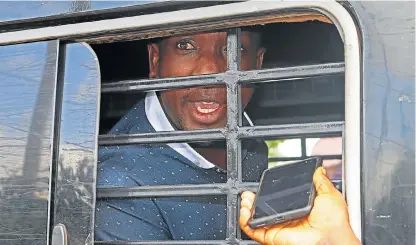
<point x="200" y="107"/>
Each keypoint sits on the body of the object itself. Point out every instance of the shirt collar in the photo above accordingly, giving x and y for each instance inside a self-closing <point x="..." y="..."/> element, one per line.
<point x="159" y="121"/>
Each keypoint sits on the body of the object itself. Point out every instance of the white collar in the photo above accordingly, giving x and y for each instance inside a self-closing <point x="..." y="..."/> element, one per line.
<point x="159" y="121"/>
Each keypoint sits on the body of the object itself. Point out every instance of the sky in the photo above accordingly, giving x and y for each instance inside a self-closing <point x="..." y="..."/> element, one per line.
<point x="12" y="10"/>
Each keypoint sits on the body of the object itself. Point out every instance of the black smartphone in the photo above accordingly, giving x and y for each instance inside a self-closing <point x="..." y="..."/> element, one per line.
<point x="285" y="193"/>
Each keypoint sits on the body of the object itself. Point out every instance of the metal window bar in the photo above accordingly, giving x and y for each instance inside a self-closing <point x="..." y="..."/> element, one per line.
<point x="282" y="131"/>
<point x="233" y="133"/>
<point x="283" y="159"/>
<point x="266" y="75"/>
<point x="195" y="242"/>
<point x="303" y="146"/>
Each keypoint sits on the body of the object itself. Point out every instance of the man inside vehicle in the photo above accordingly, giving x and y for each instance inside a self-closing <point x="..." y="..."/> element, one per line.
<point x="190" y="218"/>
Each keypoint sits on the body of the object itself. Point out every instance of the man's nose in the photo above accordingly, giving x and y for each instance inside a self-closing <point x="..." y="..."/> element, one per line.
<point x="210" y="64"/>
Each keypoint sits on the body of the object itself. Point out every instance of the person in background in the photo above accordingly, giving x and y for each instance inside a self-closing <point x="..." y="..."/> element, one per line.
<point x="330" y="146"/>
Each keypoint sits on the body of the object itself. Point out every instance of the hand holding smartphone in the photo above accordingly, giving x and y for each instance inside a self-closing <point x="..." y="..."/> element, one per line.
<point x="285" y="193"/>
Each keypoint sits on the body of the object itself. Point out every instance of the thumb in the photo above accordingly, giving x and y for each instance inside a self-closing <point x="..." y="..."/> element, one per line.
<point x="322" y="184"/>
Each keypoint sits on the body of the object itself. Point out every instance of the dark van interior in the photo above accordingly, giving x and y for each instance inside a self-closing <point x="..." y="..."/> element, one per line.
<point x="284" y="102"/>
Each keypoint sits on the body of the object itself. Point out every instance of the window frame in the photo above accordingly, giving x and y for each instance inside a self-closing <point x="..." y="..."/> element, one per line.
<point x="218" y="16"/>
<point x="36" y="148"/>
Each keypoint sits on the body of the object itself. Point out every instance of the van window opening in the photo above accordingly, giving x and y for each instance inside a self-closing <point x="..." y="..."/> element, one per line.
<point x="239" y="85"/>
<point x="306" y="124"/>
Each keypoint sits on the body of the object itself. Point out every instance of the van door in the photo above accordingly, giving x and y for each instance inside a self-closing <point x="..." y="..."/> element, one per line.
<point x="76" y="144"/>
<point x="28" y="76"/>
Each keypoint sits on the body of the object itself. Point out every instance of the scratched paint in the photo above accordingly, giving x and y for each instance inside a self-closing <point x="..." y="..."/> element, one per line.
<point x="389" y="121"/>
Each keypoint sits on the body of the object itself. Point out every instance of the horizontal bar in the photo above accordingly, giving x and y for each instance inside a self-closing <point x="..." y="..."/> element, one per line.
<point x="267" y="75"/>
<point x="162" y="191"/>
<point x="291" y="130"/>
<point x="324" y="157"/>
<point x="248" y="242"/>
<point x="174" y="242"/>
<point x="294" y="72"/>
<point x="173" y="190"/>
<point x="272" y="131"/>
<point x="248" y="186"/>
<point x="161" y="83"/>
<point x="177" y="190"/>
<point x="162" y="137"/>
<point x="168" y="242"/>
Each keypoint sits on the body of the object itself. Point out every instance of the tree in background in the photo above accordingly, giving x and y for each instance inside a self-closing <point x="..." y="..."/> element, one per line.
<point x="273" y="146"/>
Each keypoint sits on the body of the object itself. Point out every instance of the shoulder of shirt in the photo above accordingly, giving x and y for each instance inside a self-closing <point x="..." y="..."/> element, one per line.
<point x="134" y="121"/>
<point x="138" y="165"/>
<point x="132" y="165"/>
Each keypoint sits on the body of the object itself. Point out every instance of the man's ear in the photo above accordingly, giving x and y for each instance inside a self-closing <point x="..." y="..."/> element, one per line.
<point x="260" y="56"/>
<point x="154" y="55"/>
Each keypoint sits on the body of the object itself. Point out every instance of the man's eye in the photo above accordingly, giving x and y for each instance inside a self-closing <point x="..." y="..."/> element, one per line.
<point x="185" y="45"/>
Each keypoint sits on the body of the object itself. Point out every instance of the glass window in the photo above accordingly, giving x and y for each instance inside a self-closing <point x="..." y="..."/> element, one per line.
<point x="75" y="177"/>
<point x="27" y="99"/>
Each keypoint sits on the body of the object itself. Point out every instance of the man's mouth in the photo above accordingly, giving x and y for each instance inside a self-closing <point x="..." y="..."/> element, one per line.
<point x="205" y="107"/>
<point x="207" y="112"/>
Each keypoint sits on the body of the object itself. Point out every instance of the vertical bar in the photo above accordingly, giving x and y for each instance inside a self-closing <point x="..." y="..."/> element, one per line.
<point x="234" y="119"/>
<point x="234" y="49"/>
<point x="343" y="185"/>
<point x="303" y="146"/>
<point x="60" y="65"/>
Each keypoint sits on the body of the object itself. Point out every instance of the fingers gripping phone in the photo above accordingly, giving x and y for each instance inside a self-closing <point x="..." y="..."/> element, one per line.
<point x="285" y="193"/>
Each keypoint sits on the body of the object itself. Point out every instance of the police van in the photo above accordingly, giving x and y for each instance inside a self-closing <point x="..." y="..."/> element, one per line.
<point x="69" y="70"/>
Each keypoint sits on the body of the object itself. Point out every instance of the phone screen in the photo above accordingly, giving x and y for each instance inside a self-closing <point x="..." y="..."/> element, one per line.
<point x="285" y="188"/>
